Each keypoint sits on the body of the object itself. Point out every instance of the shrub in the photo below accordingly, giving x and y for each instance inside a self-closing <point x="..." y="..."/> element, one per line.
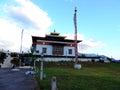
<point x="15" y="61"/>
<point x="2" y="57"/>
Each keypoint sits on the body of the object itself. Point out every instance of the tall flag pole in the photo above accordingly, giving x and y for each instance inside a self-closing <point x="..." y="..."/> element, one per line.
<point x="21" y="41"/>
<point x="75" y="37"/>
<point x="21" y="46"/>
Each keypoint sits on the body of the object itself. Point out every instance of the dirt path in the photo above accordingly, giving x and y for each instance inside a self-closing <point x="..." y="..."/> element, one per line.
<point x="17" y="80"/>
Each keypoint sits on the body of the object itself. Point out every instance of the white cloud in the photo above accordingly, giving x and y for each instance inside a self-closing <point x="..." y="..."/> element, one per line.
<point x="90" y="43"/>
<point x="28" y="14"/>
<point x="85" y="44"/>
<point x="9" y="34"/>
<point x="23" y="14"/>
<point x="18" y="15"/>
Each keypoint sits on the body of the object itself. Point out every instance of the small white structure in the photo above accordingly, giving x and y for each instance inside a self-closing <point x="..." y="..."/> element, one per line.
<point x="54" y="86"/>
<point x="78" y="66"/>
<point x="29" y="72"/>
<point x="16" y="69"/>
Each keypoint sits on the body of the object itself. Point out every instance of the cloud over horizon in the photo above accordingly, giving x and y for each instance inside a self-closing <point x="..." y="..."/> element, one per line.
<point x="18" y="15"/>
<point x="85" y="44"/>
<point x="28" y="14"/>
<point x="23" y="14"/>
<point x="90" y="43"/>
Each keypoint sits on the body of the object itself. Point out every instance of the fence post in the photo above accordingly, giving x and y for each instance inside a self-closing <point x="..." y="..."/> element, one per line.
<point x="54" y="86"/>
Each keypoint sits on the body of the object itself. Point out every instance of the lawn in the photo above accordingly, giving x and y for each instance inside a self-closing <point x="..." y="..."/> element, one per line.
<point x="92" y="76"/>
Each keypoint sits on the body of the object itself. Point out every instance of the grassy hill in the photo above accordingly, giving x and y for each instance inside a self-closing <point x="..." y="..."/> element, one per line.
<point x="92" y="76"/>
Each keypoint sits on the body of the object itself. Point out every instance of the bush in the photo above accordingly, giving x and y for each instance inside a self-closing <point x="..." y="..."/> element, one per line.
<point x="2" y="57"/>
<point x="15" y="61"/>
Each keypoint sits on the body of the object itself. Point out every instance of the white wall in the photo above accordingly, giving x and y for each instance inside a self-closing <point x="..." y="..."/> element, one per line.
<point x="49" y="49"/>
<point x="55" y="59"/>
<point x="66" y="53"/>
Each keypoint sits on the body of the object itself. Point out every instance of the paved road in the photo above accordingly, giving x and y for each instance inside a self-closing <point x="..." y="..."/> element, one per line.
<point x="16" y="80"/>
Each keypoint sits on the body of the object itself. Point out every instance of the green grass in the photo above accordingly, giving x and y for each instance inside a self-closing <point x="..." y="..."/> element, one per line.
<point x="92" y="76"/>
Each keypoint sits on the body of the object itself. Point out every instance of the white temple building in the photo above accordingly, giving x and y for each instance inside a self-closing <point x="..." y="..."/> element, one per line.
<point x="54" y="45"/>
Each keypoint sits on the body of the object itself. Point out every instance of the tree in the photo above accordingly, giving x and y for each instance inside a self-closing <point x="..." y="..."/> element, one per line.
<point x="2" y="57"/>
<point x="15" y="61"/>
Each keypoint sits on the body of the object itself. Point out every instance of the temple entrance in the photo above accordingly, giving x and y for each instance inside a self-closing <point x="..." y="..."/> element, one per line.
<point x="57" y="50"/>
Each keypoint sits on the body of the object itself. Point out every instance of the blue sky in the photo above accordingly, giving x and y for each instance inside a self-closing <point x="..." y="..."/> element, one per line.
<point x="98" y="23"/>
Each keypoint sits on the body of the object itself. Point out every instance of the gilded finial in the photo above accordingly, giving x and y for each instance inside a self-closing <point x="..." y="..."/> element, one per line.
<point x="75" y="9"/>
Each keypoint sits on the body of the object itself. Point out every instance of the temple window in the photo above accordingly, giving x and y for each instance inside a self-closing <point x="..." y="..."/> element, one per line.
<point x="37" y="51"/>
<point x="70" y="51"/>
<point x="44" y="50"/>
